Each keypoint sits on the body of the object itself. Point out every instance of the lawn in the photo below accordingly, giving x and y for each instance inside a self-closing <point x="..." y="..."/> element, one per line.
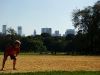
<point x="57" y="73"/>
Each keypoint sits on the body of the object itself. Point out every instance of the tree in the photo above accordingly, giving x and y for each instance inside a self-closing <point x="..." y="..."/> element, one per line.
<point x="24" y="44"/>
<point x="70" y="37"/>
<point x="43" y="49"/>
<point x="35" y="45"/>
<point x="87" y="21"/>
<point x="48" y="42"/>
<point x="12" y="36"/>
<point x="11" y="31"/>
<point x="58" y="44"/>
<point x="8" y="40"/>
<point x="39" y="37"/>
<point x="69" y="46"/>
<point x="45" y="35"/>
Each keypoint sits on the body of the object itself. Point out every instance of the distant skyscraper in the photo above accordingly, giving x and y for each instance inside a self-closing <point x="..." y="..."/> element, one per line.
<point x="46" y="30"/>
<point x="56" y="33"/>
<point x="20" y="30"/>
<point x="34" y="32"/>
<point x="4" y="29"/>
<point x="69" y="31"/>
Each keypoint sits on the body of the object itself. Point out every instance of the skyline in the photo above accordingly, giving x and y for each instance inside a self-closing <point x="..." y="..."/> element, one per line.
<point x="43" y="30"/>
<point x="36" y="14"/>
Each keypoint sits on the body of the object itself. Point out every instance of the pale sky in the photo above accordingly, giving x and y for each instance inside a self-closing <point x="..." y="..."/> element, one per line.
<point x="37" y="14"/>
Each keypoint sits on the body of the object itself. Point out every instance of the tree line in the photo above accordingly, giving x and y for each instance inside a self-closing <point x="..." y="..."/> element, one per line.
<point x="85" y="41"/>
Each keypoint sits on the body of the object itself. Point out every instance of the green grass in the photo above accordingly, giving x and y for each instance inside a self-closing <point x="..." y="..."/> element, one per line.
<point x="1" y="53"/>
<point x="26" y="53"/>
<point x="31" y="53"/>
<point x="49" y="53"/>
<point x="57" y="73"/>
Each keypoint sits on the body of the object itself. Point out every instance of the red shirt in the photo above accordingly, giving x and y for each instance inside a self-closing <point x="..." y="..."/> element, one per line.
<point x="11" y="50"/>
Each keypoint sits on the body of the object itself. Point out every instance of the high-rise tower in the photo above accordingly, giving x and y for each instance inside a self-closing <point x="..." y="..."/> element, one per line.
<point x="4" y="29"/>
<point x="20" y="30"/>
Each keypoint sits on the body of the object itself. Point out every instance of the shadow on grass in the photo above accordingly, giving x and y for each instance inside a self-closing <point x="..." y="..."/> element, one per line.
<point x="56" y="73"/>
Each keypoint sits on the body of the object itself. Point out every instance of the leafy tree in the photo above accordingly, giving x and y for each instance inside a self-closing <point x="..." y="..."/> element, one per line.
<point x="39" y="37"/>
<point x="48" y="42"/>
<point x="45" y="35"/>
<point x="43" y="49"/>
<point x="69" y="46"/>
<point x="7" y="40"/>
<point x="24" y="44"/>
<point x="70" y="37"/>
<point x="35" y="45"/>
<point x="58" y="44"/>
<point x="87" y="21"/>
<point x="11" y="31"/>
<point x="11" y="36"/>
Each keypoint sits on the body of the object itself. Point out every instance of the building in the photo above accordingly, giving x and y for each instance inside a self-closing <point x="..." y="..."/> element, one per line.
<point x="56" y="33"/>
<point x="64" y="35"/>
<point x="46" y="30"/>
<point x="20" y="30"/>
<point x="34" y="33"/>
<point x="4" y="29"/>
<point x="69" y="31"/>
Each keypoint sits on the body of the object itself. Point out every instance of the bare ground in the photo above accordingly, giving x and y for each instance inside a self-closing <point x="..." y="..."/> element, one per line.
<point x="30" y="63"/>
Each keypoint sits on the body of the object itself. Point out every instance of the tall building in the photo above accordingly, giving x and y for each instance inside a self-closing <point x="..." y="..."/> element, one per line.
<point x="20" y="30"/>
<point x="46" y="30"/>
<point x="69" y="31"/>
<point x="56" y="33"/>
<point x="34" y="32"/>
<point x="4" y="29"/>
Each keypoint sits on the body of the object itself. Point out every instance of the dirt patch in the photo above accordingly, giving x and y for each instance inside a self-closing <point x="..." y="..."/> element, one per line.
<point x="48" y="63"/>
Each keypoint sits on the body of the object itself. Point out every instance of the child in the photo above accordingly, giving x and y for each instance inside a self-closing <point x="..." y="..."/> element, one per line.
<point x="12" y="51"/>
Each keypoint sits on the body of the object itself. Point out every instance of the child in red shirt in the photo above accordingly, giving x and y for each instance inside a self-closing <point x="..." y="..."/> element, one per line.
<point x="12" y="51"/>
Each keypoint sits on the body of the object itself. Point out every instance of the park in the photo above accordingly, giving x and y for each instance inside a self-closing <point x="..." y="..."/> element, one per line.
<point x="39" y="53"/>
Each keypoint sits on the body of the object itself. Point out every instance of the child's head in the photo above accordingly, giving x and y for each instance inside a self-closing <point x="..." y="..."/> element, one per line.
<point x="17" y="44"/>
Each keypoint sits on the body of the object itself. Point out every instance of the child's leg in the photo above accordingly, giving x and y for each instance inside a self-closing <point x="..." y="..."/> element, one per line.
<point x="14" y="63"/>
<point x="4" y="60"/>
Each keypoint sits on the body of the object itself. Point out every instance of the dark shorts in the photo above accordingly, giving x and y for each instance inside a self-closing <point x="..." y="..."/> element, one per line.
<point x="11" y="56"/>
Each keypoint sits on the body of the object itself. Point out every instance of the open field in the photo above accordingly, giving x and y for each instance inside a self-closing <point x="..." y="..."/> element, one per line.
<point x="31" y="63"/>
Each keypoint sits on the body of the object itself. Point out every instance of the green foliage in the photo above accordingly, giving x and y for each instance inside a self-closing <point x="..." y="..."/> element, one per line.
<point x="33" y="44"/>
<point x="86" y="41"/>
<point x="70" y="37"/>
<point x="48" y="43"/>
<point x="11" y="31"/>
<point x="57" y="73"/>
<point x="45" y="35"/>
<point x="87" y="21"/>
<point x="7" y="40"/>
<point x="39" y="37"/>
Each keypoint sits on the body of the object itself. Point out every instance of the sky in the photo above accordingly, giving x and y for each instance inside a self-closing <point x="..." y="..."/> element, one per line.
<point x="36" y="14"/>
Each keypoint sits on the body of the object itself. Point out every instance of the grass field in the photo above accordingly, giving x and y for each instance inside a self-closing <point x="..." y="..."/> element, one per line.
<point x="38" y="54"/>
<point x="53" y="65"/>
<point x="57" y="73"/>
